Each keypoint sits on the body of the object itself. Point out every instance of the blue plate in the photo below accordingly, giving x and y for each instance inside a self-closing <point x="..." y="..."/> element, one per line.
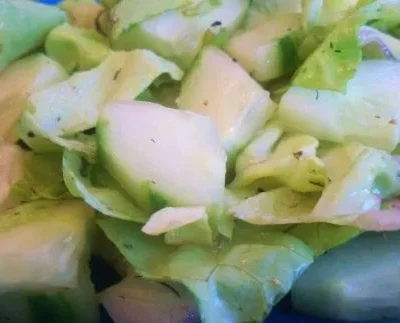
<point x="283" y="312"/>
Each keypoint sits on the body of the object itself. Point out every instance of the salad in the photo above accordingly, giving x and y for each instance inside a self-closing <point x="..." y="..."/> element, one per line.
<point x="212" y="151"/>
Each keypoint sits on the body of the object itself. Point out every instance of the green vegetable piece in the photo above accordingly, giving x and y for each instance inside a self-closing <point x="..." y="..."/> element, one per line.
<point x="238" y="282"/>
<point x="101" y="192"/>
<point x="41" y="178"/>
<point x="76" y="49"/>
<point x="45" y="248"/>
<point x="24" y="25"/>
<point x="336" y="61"/>
<point x="193" y="149"/>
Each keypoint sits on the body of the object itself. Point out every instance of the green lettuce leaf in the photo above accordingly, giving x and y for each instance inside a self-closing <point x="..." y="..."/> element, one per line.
<point x="361" y="178"/>
<point x="367" y="113"/>
<point x="18" y="80"/>
<point x="42" y="142"/>
<point x="322" y="13"/>
<point x="24" y="25"/>
<point x="322" y="237"/>
<point x="261" y="11"/>
<point x="98" y="189"/>
<point x="76" y="49"/>
<point x="181" y="225"/>
<point x="72" y="106"/>
<point x="293" y="162"/>
<point x="128" y="13"/>
<point x="335" y="62"/>
<point x="43" y="243"/>
<point x="10" y="169"/>
<point x="239" y="281"/>
<point x="41" y="178"/>
<point x="45" y="277"/>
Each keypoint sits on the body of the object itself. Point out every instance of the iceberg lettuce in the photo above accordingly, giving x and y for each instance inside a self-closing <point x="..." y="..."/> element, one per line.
<point x="239" y="281"/>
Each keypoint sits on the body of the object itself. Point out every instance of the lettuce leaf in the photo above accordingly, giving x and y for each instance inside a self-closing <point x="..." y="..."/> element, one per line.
<point x="335" y="62"/>
<point x="361" y="178"/>
<point x="239" y="281"/>
<point x="322" y="237"/>
<point x="69" y="107"/>
<point x="181" y="225"/>
<point x="45" y="277"/>
<point x="10" y="169"/>
<point x="261" y="11"/>
<point x="43" y="243"/>
<point x="98" y="189"/>
<point x="366" y="113"/>
<point x="127" y="13"/>
<point x="18" y="80"/>
<point x="322" y="13"/>
<point x="293" y="162"/>
<point x="24" y="25"/>
<point x="76" y="49"/>
<point x="41" y="178"/>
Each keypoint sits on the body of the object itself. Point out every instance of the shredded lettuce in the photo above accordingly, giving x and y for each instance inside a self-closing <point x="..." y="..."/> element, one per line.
<point x="21" y="78"/>
<point x="292" y="162"/>
<point x="181" y="225"/>
<point x="360" y="178"/>
<point x="10" y="169"/>
<point x="261" y="11"/>
<point x="45" y="276"/>
<point x="322" y="12"/>
<point x="336" y="61"/>
<point x="41" y="178"/>
<point x="74" y="105"/>
<point x="127" y="13"/>
<point x="76" y="48"/>
<point x="24" y="25"/>
<point x="366" y="113"/>
<point x="98" y="189"/>
<point x="322" y="237"/>
<point x="238" y="282"/>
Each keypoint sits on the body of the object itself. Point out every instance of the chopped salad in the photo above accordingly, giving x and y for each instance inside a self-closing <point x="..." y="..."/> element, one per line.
<point x="210" y="150"/>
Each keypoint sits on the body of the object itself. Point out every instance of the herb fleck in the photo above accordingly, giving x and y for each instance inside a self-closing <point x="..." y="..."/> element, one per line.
<point x="116" y="74"/>
<point x="84" y="169"/>
<point x="127" y="246"/>
<point x="31" y="134"/>
<point x="298" y="154"/>
<point x="23" y="145"/>
<point x="89" y="132"/>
